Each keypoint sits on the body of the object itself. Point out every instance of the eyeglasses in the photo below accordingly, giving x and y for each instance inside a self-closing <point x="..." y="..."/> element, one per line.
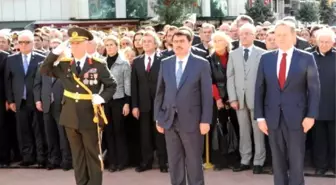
<point x="24" y="42"/>
<point x="16" y="50"/>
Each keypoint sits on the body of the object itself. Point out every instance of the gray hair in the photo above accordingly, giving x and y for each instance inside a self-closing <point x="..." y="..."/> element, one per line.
<point x="155" y="37"/>
<point x="26" y="33"/>
<point x="207" y="25"/>
<point x="325" y="32"/>
<point x="250" y="27"/>
<point x="225" y="37"/>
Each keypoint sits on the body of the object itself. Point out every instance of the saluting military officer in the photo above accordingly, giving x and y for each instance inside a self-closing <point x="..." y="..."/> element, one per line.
<point x="80" y="75"/>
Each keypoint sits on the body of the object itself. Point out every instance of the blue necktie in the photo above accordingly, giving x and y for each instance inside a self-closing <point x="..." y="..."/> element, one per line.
<point x="246" y="54"/>
<point x="179" y="73"/>
<point x="25" y="68"/>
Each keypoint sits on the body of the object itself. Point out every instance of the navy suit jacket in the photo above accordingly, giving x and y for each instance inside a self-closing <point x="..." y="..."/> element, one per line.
<point x="15" y="78"/>
<point x="298" y="99"/>
<point x="191" y="101"/>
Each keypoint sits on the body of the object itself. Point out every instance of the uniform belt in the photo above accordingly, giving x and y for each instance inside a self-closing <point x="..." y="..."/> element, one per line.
<point x="77" y="96"/>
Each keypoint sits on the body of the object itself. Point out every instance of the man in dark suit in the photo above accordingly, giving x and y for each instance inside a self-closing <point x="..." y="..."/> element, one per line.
<point x="143" y="87"/>
<point x="4" y="136"/>
<point x="287" y="94"/>
<point x="48" y="94"/>
<point x="169" y="38"/>
<point x="196" y="38"/>
<point x="206" y="32"/>
<point x="183" y="109"/>
<point x="19" y="80"/>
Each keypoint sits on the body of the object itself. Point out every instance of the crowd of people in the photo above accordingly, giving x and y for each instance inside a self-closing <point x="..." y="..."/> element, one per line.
<point x="31" y="102"/>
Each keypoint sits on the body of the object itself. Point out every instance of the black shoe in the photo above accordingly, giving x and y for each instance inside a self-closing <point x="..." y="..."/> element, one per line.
<point x="26" y="163"/>
<point x="41" y="165"/>
<point x="66" y="166"/>
<point x="121" y="168"/>
<point x="52" y="166"/>
<point x="163" y="169"/>
<point x="241" y="167"/>
<point x="112" y="168"/>
<point x="4" y="165"/>
<point x="218" y="167"/>
<point x="257" y="169"/>
<point x="320" y="172"/>
<point x="143" y="168"/>
<point x="270" y="171"/>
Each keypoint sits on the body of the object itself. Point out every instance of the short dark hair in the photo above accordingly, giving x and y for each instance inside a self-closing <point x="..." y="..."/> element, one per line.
<point x="313" y="29"/>
<point x="38" y="35"/>
<point x="184" y="32"/>
<point x="245" y="18"/>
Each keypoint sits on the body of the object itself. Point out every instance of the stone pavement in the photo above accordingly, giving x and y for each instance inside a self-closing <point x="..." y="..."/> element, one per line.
<point x="130" y="177"/>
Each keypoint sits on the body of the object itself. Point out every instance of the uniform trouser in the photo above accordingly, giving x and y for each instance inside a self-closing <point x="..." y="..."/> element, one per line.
<point x="324" y="144"/>
<point x="246" y="122"/>
<point x="30" y="134"/>
<point x="150" y="140"/>
<point x="58" y="145"/>
<point x="115" y="134"/>
<point x="184" y="155"/>
<point x="288" y="152"/>
<point x="85" y="151"/>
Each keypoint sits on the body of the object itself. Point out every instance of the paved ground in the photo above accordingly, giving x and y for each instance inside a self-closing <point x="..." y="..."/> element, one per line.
<point x="129" y="177"/>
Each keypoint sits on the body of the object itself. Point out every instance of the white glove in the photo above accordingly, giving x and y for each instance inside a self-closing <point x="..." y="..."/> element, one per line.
<point x="97" y="99"/>
<point x="61" y="48"/>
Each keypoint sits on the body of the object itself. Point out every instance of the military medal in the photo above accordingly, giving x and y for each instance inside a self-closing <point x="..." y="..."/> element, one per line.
<point x="95" y="78"/>
<point x="91" y="82"/>
<point x="86" y="81"/>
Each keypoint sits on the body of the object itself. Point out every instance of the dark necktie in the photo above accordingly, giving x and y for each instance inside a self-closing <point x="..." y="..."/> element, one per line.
<point x="149" y="64"/>
<point x="78" y="68"/>
<point x="246" y="54"/>
<point x="282" y="71"/>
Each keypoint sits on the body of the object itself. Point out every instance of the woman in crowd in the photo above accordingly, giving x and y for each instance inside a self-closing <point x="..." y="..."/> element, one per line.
<point x="117" y="108"/>
<point x="218" y="62"/>
<point x="137" y="46"/>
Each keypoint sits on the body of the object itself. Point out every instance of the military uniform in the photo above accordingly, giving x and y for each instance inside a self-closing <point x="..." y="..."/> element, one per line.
<point x="77" y="109"/>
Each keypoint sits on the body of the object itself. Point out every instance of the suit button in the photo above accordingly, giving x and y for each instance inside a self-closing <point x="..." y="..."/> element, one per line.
<point x="77" y="86"/>
<point x="76" y="101"/>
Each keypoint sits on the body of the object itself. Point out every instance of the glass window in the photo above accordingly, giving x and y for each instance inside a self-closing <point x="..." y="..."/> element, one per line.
<point x="102" y="9"/>
<point x="136" y="8"/>
<point x="219" y="8"/>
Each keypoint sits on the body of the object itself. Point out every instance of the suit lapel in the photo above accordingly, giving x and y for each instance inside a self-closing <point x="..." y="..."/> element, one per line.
<point x="186" y="72"/>
<point x="73" y="67"/>
<point x="292" y="68"/>
<point x="172" y="72"/>
<point x="21" y="64"/>
<point x="32" y="64"/>
<point x="274" y="65"/>
<point x="155" y="65"/>
<point x="250" y="60"/>
<point x="241" y="60"/>
<point x="86" y="67"/>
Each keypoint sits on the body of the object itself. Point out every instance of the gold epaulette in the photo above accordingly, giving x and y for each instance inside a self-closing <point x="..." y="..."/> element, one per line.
<point x="66" y="59"/>
<point x="96" y="59"/>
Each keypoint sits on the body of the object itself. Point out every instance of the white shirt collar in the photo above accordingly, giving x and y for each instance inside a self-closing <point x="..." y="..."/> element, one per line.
<point x="82" y="60"/>
<point x="249" y="48"/>
<point x="184" y="62"/>
<point x="288" y="52"/>
<point x="28" y="57"/>
<point x="151" y="56"/>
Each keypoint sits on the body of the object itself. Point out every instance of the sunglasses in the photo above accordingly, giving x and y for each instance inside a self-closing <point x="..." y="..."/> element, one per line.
<point x="24" y="42"/>
<point x="16" y="50"/>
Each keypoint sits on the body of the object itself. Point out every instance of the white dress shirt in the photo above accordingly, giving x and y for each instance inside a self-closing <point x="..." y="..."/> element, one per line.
<point x="184" y="63"/>
<point x="82" y="61"/>
<point x="28" y="57"/>
<point x="146" y="59"/>
<point x="288" y="63"/>
<point x="249" y="48"/>
<point x="288" y="60"/>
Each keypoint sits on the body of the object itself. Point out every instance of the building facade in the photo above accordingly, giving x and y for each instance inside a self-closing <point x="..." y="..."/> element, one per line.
<point x="39" y="10"/>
